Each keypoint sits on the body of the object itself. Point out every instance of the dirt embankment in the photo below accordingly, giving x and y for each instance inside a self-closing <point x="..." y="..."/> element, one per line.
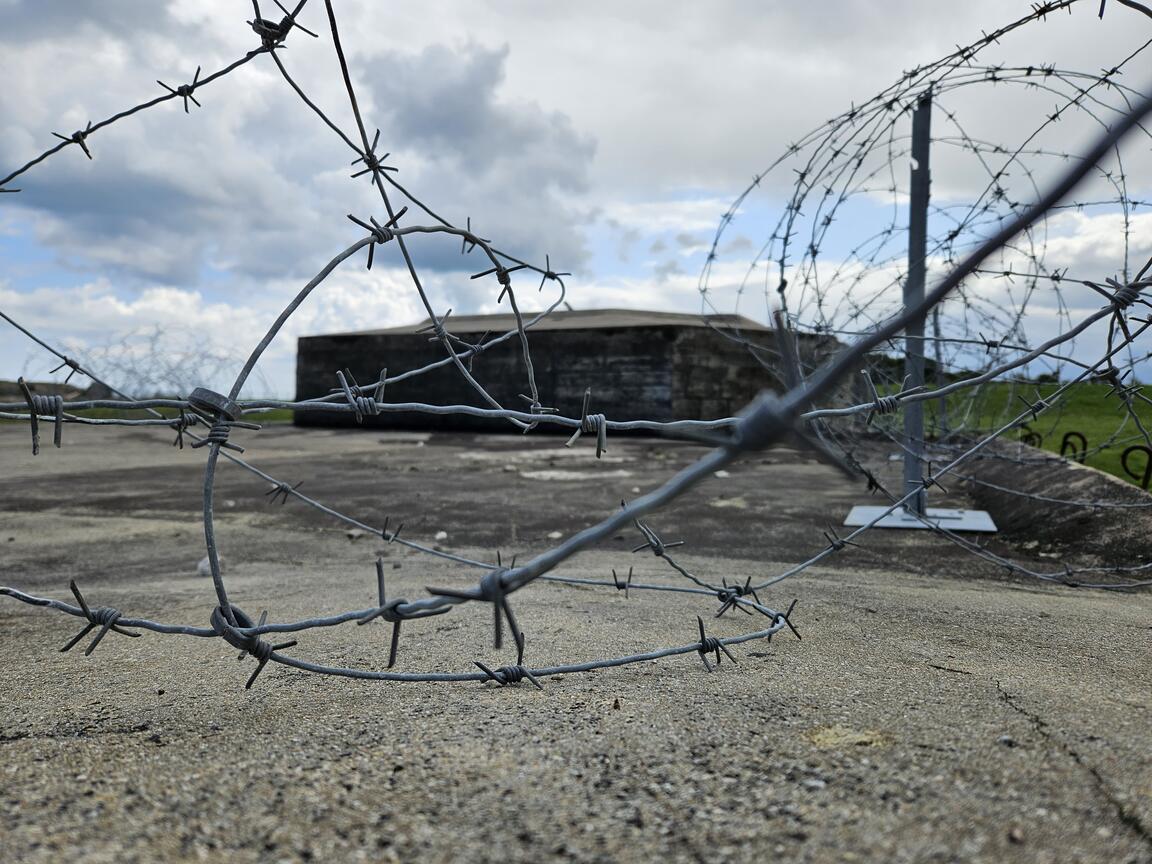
<point x="1041" y="501"/>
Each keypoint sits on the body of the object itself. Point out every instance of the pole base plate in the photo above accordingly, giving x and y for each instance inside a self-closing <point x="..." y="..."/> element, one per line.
<point x="943" y="517"/>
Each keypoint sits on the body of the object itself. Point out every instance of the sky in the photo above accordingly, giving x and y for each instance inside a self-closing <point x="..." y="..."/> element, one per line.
<point x="609" y="136"/>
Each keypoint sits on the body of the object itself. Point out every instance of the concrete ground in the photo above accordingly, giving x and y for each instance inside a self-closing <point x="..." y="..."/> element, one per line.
<point x="935" y="710"/>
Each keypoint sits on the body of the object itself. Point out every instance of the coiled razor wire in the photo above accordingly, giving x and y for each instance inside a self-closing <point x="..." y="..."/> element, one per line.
<point x="768" y="420"/>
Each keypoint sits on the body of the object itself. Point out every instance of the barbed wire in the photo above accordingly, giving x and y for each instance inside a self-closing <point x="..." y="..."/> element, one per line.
<point x="997" y="236"/>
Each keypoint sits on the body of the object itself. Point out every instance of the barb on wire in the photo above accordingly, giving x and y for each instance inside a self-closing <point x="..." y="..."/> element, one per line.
<point x="590" y="424"/>
<point x="43" y="405"/>
<point x="390" y="610"/>
<point x="185" y="91"/>
<point x="104" y="617"/>
<point x="710" y="644"/>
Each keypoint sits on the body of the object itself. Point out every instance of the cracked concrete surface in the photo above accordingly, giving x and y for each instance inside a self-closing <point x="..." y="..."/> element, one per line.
<point x="935" y="710"/>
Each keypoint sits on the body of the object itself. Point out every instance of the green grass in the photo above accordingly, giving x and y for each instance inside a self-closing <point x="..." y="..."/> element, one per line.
<point x="1086" y="408"/>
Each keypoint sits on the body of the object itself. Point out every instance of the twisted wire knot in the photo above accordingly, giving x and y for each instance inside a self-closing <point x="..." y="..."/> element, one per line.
<point x="885" y="405"/>
<point x="509" y="674"/>
<point x="730" y="596"/>
<point x="729" y="593"/>
<point x="355" y="395"/>
<point x="366" y="405"/>
<point x="218" y="434"/>
<point x="374" y="164"/>
<point x="49" y="405"/>
<point x="40" y="404"/>
<point x="78" y="137"/>
<point x="73" y="366"/>
<point x="246" y="644"/>
<point x="104" y="617"/>
<point x="591" y="424"/>
<point x="179" y="424"/>
<point x="281" y="490"/>
<point x="652" y="540"/>
<point x="185" y="91"/>
<point x="389" y="612"/>
<point x="491" y="586"/>
<point x="710" y="645"/>
<point x="491" y="589"/>
<point x="1126" y="295"/>
<point x="225" y="414"/>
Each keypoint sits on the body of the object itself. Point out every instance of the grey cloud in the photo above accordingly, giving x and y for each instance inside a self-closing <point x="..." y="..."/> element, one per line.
<point x="253" y="183"/>
<point x="688" y="242"/>
<point x="667" y="269"/>
<point x="511" y="165"/>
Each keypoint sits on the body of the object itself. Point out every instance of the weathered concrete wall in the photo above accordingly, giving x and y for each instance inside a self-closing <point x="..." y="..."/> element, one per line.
<point x="629" y="371"/>
<point x="656" y="372"/>
<point x="715" y="376"/>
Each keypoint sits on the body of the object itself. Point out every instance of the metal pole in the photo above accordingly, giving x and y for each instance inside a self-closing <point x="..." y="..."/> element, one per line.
<point x="913" y="295"/>
<point x="938" y="349"/>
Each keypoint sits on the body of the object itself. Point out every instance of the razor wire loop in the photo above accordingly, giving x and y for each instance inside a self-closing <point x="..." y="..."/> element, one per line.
<point x="77" y="137"/>
<point x="591" y="424"/>
<point x="50" y="406"/>
<point x="247" y="644"/>
<point x="710" y="645"/>
<point x="361" y="404"/>
<point x="184" y="91"/>
<point x="104" y="617"/>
